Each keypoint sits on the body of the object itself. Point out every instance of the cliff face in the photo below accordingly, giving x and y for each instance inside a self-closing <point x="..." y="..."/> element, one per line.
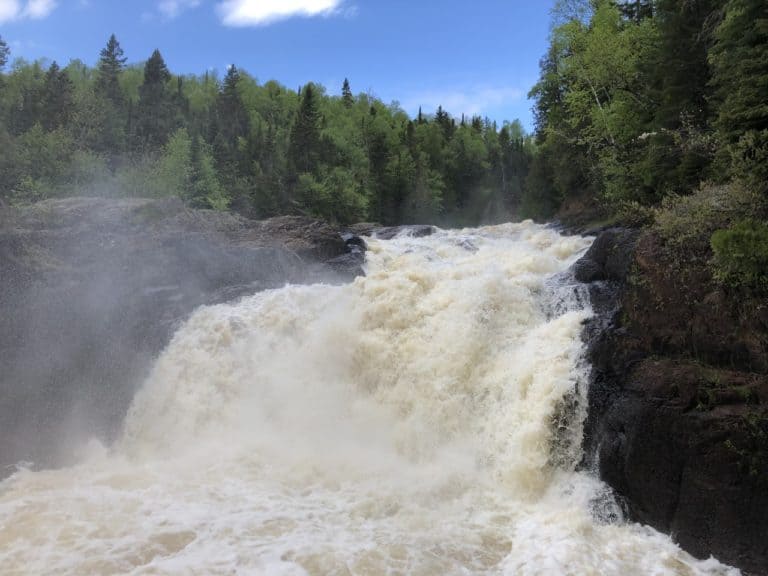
<point x="92" y="290"/>
<point x="678" y="421"/>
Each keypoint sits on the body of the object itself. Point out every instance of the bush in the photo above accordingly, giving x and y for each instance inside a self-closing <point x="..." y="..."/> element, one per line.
<point x="749" y="160"/>
<point x="741" y="255"/>
<point x="686" y="223"/>
<point x="632" y="213"/>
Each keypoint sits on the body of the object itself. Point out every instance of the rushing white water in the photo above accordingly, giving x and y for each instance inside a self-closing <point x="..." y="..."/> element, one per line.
<point x="403" y="424"/>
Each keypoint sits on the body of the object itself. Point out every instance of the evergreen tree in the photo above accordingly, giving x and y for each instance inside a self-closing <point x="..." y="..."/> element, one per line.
<point x="5" y="53"/>
<point x="346" y="95"/>
<point x="231" y="119"/>
<point x="741" y="69"/>
<point x="155" y="116"/>
<point x="443" y="120"/>
<point x="740" y="76"/>
<point x="304" y="148"/>
<point x="677" y="154"/>
<point x="57" y="104"/>
<point x="111" y="64"/>
<point x="680" y="62"/>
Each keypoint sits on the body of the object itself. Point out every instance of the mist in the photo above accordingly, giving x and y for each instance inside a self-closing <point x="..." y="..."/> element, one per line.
<point x="93" y="289"/>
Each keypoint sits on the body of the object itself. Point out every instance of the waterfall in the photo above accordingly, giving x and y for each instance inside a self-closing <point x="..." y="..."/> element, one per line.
<point x="424" y="419"/>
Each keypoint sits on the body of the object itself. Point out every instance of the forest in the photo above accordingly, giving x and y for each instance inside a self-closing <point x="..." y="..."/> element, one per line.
<point x="655" y="113"/>
<point x="641" y="106"/>
<point x="258" y="149"/>
<point x="648" y="99"/>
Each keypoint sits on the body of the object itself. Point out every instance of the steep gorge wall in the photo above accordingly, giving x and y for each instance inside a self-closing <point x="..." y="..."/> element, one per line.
<point x="678" y="421"/>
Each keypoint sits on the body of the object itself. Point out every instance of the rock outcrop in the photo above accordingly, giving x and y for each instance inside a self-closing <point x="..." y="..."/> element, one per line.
<point x="678" y="403"/>
<point x="92" y="290"/>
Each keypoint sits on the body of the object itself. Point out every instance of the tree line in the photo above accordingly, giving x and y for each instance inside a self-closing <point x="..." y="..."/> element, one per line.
<point x="259" y="149"/>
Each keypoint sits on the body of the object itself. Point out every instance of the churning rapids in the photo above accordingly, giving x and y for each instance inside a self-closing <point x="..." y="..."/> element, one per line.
<point x="425" y="419"/>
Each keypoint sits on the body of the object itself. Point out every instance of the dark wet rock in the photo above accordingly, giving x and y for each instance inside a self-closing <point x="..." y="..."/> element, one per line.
<point x="347" y="266"/>
<point x="608" y="258"/>
<point x="412" y="230"/>
<point x="354" y="243"/>
<point x="678" y="399"/>
<point x="92" y="290"/>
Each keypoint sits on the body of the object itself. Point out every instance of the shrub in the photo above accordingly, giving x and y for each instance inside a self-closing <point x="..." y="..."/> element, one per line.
<point x="741" y="255"/>
<point x="686" y="223"/>
<point x="749" y="160"/>
<point x="632" y="213"/>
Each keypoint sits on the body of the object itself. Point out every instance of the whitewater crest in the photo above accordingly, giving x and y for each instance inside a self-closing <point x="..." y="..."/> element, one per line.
<point x="425" y="419"/>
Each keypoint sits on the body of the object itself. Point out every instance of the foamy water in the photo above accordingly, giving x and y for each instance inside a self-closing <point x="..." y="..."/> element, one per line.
<point x="403" y="424"/>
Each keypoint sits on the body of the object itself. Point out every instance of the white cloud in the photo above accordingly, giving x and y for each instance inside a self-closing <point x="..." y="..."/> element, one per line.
<point x="263" y="12"/>
<point x="170" y="9"/>
<point x="32" y="9"/>
<point x="9" y="9"/>
<point x="469" y="101"/>
<point x="37" y="9"/>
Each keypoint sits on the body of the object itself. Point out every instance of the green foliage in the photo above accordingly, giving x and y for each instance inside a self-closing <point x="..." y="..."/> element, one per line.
<point x="259" y="149"/>
<point x="686" y="223"/>
<point x="633" y="214"/>
<point x="155" y="113"/>
<point x="346" y="95"/>
<point x="206" y="191"/>
<point x="636" y="100"/>
<point x="45" y="162"/>
<point x="749" y="160"/>
<point x="741" y="68"/>
<point x="741" y="255"/>
<point x="304" y="150"/>
<point x="740" y="77"/>
<point x="57" y="96"/>
<point x="110" y="67"/>
<point x="172" y="175"/>
<point x="5" y="53"/>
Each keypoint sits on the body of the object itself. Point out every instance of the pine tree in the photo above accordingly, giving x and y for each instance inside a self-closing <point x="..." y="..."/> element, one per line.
<point x="231" y="126"/>
<point x="677" y="156"/>
<point x="155" y="116"/>
<point x="680" y="63"/>
<point x="304" y="147"/>
<point x="57" y="98"/>
<point x="232" y="115"/>
<point x="346" y="94"/>
<point x="740" y="76"/>
<point x="5" y="53"/>
<point x="443" y="120"/>
<point x="111" y="64"/>
<point x="741" y="69"/>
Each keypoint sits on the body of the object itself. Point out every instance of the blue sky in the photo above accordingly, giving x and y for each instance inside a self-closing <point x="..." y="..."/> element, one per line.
<point x="471" y="57"/>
